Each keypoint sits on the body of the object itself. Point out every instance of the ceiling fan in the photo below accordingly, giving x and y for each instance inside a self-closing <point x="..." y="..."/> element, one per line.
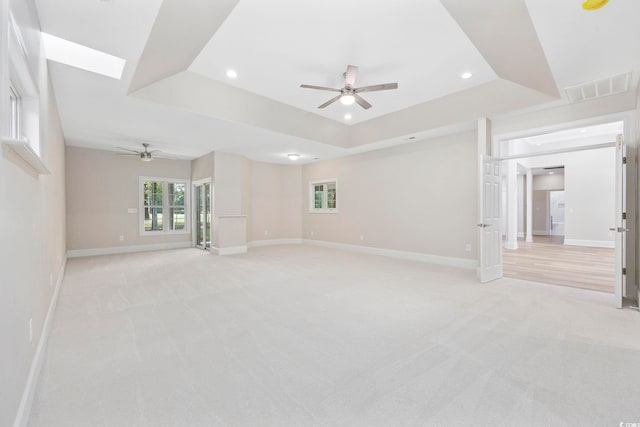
<point x="350" y="94"/>
<point x="146" y="155"/>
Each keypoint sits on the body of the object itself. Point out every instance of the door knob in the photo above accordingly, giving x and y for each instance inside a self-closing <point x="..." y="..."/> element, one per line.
<point x="484" y="225"/>
<point x="620" y="229"/>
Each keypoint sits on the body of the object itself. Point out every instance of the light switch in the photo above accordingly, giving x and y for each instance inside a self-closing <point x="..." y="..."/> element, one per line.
<point x="132" y="210"/>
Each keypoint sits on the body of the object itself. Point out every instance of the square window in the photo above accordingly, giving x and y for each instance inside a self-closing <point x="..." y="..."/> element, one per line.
<point x="159" y="196"/>
<point x="324" y="196"/>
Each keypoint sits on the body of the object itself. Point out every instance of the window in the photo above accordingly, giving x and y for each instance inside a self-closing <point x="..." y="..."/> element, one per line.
<point x="14" y="113"/>
<point x="323" y="196"/>
<point x="163" y="206"/>
<point x="176" y="205"/>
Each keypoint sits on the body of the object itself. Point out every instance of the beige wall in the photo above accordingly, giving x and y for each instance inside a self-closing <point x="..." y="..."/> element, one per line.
<point x="276" y="202"/>
<point x="548" y="182"/>
<point x="202" y="167"/>
<point x="418" y="197"/>
<point x="101" y="187"/>
<point x="32" y="224"/>
<point x="232" y="184"/>
<point x="540" y="218"/>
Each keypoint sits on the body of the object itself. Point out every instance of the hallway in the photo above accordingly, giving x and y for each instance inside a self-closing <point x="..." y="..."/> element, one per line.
<point x="548" y="260"/>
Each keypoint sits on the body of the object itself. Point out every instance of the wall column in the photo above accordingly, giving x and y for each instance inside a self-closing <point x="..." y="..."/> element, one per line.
<point x="512" y="205"/>
<point x="529" y="206"/>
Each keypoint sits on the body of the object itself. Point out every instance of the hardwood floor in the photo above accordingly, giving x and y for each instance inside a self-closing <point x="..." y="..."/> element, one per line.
<point x="548" y="260"/>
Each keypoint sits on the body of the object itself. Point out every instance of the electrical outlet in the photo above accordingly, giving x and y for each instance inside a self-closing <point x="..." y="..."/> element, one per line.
<point x="362" y="237"/>
<point x="31" y="329"/>
<point x="121" y="237"/>
<point x="132" y="210"/>
<point x="50" y="279"/>
<point x="467" y="247"/>
<point x="266" y="232"/>
<point x="311" y="233"/>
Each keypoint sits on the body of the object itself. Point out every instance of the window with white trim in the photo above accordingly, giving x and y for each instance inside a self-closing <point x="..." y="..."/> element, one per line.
<point x="323" y="196"/>
<point x="163" y="205"/>
<point x="14" y="113"/>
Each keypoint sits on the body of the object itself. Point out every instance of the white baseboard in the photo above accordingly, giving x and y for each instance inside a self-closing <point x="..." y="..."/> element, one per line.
<point x="591" y="243"/>
<point x="511" y="245"/>
<point x="75" y="253"/>
<point x="392" y="253"/>
<point x="520" y="235"/>
<point x="270" y="242"/>
<point x="231" y="250"/>
<point x="22" y="417"/>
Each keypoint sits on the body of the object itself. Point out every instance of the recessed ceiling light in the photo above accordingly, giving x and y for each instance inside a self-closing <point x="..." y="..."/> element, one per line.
<point x="83" y="57"/>
<point x="551" y="173"/>
<point x="347" y="116"/>
<point x="232" y="74"/>
<point x="583" y="131"/>
<point x="293" y="156"/>
<point x="466" y="75"/>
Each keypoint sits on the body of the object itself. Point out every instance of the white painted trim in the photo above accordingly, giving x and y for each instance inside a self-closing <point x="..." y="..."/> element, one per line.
<point x="540" y="232"/>
<point x="271" y="242"/>
<point x="392" y="253"/>
<point x="231" y="250"/>
<point x="75" y="253"/>
<point x="511" y="245"/>
<point x="22" y="416"/>
<point x="520" y="235"/>
<point x="591" y="243"/>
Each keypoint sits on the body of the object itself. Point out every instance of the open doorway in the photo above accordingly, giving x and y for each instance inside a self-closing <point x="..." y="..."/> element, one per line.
<point x="560" y="203"/>
<point x="202" y="214"/>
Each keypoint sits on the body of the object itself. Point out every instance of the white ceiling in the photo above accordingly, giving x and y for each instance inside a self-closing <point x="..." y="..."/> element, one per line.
<point x="415" y="43"/>
<point x="276" y="45"/>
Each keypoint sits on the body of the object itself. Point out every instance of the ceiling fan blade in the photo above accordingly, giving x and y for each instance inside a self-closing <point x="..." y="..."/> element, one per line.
<point x="126" y="149"/>
<point x="128" y="154"/>
<point x="362" y="102"/>
<point x="331" y="101"/>
<point x="164" y="156"/>
<point x="375" y="88"/>
<point x="320" y="88"/>
<point x="350" y="76"/>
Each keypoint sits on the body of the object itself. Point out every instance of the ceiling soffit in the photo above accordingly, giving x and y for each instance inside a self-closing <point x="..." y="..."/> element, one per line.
<point x="181" y="30"/>
<point x="500" y="29"/>
<point x="503" y="32"/>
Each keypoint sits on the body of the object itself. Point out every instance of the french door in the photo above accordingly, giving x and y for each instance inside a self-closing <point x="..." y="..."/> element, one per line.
<point x="202" y="199"/>
<point x="489" y="225"/>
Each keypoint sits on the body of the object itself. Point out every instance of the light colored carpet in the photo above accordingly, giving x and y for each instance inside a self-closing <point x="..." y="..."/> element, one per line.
<point x="305" y="336"/>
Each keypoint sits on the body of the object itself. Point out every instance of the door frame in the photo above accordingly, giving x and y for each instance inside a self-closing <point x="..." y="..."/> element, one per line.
<point x="194" y="210"/>
<point x="629" y="135"/>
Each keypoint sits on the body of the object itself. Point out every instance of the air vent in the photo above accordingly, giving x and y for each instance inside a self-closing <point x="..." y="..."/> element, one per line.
<point x="599" y="88"/>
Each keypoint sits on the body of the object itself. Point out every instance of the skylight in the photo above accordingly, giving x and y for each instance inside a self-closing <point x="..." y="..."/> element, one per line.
<point x="83" y="57"/>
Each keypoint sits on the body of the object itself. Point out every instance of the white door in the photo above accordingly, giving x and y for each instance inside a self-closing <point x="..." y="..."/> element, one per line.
<point x="489" y="225"/>
<point x="621" y="221"/>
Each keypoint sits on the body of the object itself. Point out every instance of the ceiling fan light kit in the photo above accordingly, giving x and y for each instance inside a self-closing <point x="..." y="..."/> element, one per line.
<point x="347" y="99"/>
<point x="349" y="94"/>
